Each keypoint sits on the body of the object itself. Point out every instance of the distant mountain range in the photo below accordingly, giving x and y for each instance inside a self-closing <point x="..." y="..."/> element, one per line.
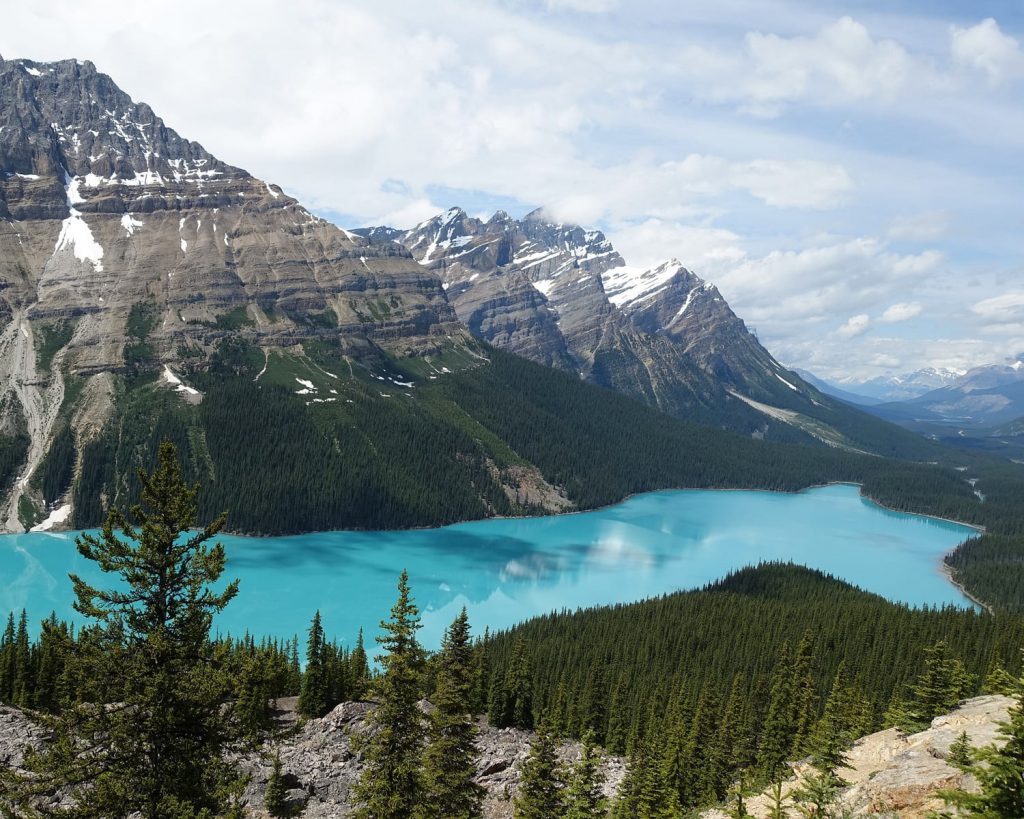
<point x="884" y="388"/>
<point x="148" y="289"/>
<point x="978" y="408"/>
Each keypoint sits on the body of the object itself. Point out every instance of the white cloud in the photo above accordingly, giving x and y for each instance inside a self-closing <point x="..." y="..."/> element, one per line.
<point x="787" y="184"/>
<point x="923" y="227"/>
<point x="903" y="311"/>
<point x="585" y="6"/>
<point x="707" y="250"/>
<point x="785" y="288"/>
<point x="1003" y="309"/>
<point x="841" y="63"/>
<point x="985" y="48"/>
<point x="855" y="326"/>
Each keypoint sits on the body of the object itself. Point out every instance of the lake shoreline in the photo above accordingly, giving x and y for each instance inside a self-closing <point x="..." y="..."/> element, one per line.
<point x="947" y="571"/>
<point x="810" y="487"/>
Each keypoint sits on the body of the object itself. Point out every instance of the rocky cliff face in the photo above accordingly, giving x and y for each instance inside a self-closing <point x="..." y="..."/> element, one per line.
<point x="103" y="207"/>
<point x="107" y="214"/>
<point x="563" y="296"/>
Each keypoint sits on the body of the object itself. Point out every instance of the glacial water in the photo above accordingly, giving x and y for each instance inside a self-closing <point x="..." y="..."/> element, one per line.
<point x="509" y="570"/>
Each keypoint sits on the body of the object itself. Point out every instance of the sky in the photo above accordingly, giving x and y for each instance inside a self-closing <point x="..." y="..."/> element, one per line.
<point x="850" y="175"/>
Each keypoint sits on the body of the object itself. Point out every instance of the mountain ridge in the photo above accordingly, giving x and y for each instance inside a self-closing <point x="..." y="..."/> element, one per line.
<point x="145" y="282"/>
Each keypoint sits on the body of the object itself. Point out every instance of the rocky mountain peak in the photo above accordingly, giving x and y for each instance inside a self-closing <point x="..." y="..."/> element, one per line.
<point x="107" y="214"/>
<point x="70" y="115"/>
<point x="561" y="294"/>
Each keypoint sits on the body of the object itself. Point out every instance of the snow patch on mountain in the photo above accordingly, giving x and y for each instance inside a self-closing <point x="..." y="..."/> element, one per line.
<point x="625" y="285"/>
<point x="75" y="234"/>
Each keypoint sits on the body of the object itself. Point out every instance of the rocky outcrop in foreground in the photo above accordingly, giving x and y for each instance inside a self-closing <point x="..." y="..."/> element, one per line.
<point x="897" y="775"/>
<point x="321" y="766"/>
<point x="891" y="774"/>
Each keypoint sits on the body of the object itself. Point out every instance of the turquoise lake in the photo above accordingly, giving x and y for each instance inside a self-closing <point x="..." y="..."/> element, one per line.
<point x="505" y="571"/>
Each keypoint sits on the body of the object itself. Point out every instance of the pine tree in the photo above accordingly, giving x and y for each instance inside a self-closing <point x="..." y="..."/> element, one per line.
<point x="23" y="664"/>
<point x="584" y="798"/>
<point x="449" y="762"/>
<point x="543" y="779"/>
<point x="159" y="751"/>
<point x="817" y="794"/>
<point x="960" y="752"/>
<point x="941" y="686"/>
<point x="805" y="696"/>
<point x="8" y="662"/>
<point x="999" y="681"/>
<point x="294" y="668"/>
<point x="313" y="696"/>
<point x="391" y="786"/>
<point x="252" y="704"/>
<point x="777" y="731"/>
<point x="834" y="732"/>
<point x="275" y="797"/>
<point x="359" y="670"/>
<point x="777" y="806"/>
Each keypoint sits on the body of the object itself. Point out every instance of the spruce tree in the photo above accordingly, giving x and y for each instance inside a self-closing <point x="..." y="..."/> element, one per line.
<point x="359" y="670"/>
<point x="777" y="731"/>
<point x="53" y="646"/>
<point x="999" y="681"/>
<point x="834" y="732"/>
<point x="252" y="704"/>
<point x="543" y="780"/>
<point x="817" y="794"/>
<point x="584" y="798"/>
<point x="941" y="686"/>
<point x="391" y="785"/>
<point x="158" y="751"/>
<point x="275" y="795"/>
<point x="648" y="790"/>
<point x="8" y="662"/>
<point x="22" y="694"/>
<point x="449" y="762"/>
<point x="294" y="667"/>
<point x="777" y="805"/>
<point x="960" y="752"/>
<point x="805" y="695"/>
<point x="313" y="696"/>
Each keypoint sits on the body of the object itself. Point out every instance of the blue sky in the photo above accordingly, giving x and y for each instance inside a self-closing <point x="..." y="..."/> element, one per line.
<point x="849" y="174"/>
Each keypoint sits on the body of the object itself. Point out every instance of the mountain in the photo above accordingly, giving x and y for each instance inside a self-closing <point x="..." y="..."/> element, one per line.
<point x="885" y="388"/>
<point x="984" y="396"/>
<point x="316" y="378"/>
<point x="561" y="295"/>
<point x="124" y="246"/>
<point x="831" y="389"/>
